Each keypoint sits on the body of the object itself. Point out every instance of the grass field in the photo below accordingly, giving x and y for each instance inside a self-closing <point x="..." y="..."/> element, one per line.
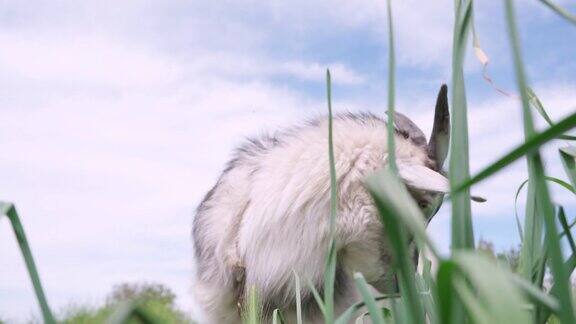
<point x="468" y="286"/>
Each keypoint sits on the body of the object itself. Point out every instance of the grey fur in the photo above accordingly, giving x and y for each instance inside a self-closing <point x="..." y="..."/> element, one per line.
<point x="246" y="165"/>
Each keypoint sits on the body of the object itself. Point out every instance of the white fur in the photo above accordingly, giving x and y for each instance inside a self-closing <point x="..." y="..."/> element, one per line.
<point x="269" y="216"/>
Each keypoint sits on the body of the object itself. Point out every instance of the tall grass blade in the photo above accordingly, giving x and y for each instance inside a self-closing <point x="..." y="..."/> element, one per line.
<point x="537" y="104"/>
<point x="252" y="313"/>
<point x="536" y="173"/>
<point x="476" y="312"/>
<point x="317" y="298"/>
<point x="560" y="11"/>
<point x="399" y="312"/>
<point x="330" y="271"/>
<point x="535" y="295"/>
<point x="557" y="181"/>
<point x="347" y="315"/>
<point x="277" y="317"/>
<point x="428" y="301"/>
<point x="569" y="227"/>
<point x="530" y="145"/>
<point x="387" y="188"/>
<point x="518" y="224"/>
<point x="500" y="299"/>
<point x="427" y="274"/>
<point x="391" y="91"/>
<point x="446" y="295"/>
<point x="9" y="210"/>
<point x="532" y="250"/>
<point x="566" y="229"/>
<point x="462" y="233"/>
<point x="360" y="319"/>
<point x="570" y="266"/>
<point x="390" y="197"/>
<point x="568" y="155"/>
<point x="298" y="298"/>
<point x="373" y="309"/>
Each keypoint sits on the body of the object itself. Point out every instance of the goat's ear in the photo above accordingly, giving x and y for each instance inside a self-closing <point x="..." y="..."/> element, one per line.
<point x="440" y="137"/>
<point x="422" y="178"/>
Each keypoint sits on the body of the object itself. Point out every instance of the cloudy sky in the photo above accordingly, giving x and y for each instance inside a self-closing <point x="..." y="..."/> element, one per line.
<point x="118" y="116"/>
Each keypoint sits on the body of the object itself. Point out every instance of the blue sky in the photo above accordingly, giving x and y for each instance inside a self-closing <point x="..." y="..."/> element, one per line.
<point x="117" y="118"/>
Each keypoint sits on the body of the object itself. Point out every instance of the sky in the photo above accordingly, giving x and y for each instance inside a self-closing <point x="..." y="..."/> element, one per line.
<point x="117" y="117"/>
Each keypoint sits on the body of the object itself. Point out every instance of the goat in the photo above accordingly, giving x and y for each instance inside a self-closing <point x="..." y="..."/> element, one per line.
<point x="268" y="214"/>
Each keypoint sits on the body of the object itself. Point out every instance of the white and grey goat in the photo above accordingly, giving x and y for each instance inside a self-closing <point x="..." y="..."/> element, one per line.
<point x="268" y="215"/>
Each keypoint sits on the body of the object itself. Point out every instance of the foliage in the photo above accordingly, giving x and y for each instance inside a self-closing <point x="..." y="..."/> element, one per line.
<point x="510" y="257"/>
<point x="143" y="291"/>
<point x="155" y="299"/>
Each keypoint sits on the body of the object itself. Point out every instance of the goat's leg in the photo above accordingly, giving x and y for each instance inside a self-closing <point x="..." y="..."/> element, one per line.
<point x="218" y="302"/>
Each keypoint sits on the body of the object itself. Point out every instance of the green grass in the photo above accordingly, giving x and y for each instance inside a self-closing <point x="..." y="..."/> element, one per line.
<point x="391" y="90"/>
<point x="9" y="210"/>
<point x="459" y="170"/>
<point x="470" y="285"/>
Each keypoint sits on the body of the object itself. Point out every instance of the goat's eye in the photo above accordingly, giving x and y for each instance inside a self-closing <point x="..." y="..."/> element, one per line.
<point x="422" y="205"/>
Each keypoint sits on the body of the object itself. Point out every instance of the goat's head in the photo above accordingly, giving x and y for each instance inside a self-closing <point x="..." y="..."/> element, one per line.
<point x="428" y="182"/>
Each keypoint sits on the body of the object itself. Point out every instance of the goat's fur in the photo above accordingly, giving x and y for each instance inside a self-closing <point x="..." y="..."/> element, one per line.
<point x="268" y="215"/>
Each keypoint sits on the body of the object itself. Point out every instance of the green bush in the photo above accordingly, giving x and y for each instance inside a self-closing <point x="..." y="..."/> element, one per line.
<point x="156" y="300"/>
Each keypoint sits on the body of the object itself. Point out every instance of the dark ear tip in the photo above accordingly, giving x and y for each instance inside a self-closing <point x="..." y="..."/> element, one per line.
<point x="442" y="100"/>
<point x="478" y="199"/>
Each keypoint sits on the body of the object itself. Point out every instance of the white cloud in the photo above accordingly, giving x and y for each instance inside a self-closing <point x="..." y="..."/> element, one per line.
<point x="108" y="162"/>
<point x="316" y="72"/>
<point x="91" y="61"/>
<point x="422" y="28"/>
